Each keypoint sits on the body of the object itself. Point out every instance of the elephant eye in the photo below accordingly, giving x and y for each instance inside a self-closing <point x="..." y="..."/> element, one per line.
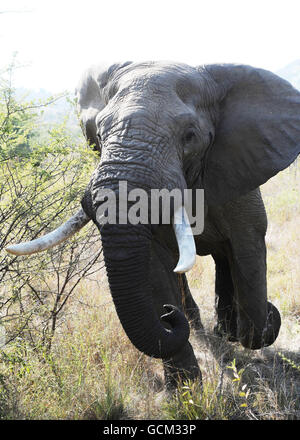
<point x="189" y="135"/>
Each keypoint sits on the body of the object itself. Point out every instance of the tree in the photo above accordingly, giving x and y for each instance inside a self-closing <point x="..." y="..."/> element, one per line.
<point x="42" y="178"/>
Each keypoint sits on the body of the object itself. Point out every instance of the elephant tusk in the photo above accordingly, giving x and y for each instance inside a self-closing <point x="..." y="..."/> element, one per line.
<point x="74" y="224"/>
<point x="185" y="241"/>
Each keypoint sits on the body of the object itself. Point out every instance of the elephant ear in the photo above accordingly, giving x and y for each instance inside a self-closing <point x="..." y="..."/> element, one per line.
<point x="257" y="133"/>
<point x="91" y="97"/>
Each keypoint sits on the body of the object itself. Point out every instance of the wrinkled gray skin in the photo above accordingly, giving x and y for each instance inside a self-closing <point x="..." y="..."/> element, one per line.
<point x="224" y="128"/>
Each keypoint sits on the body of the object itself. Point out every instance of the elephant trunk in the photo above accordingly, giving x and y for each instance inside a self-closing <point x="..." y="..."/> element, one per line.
<point x="126" y="250"/>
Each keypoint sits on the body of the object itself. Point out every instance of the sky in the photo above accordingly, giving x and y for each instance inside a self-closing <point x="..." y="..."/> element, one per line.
<point x="55" y="40"/>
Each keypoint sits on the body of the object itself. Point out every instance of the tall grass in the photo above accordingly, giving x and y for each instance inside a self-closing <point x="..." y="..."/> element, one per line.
<point x="93" y="371"/>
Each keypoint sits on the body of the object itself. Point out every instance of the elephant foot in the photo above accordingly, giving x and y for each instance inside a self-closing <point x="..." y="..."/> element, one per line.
<point x="255" y="341"/>
<point x="249" y="337"/>
<point x="181" y="367"/>
<point x="273" y="325"/>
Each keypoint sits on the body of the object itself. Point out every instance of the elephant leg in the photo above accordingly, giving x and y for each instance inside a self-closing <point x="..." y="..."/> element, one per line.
<point x="166" y="289"/>
<point x="191" y="309"/>
<point x="258" y="320"/>
<point x="181" y="367"/>
<point x="225" y="304"/>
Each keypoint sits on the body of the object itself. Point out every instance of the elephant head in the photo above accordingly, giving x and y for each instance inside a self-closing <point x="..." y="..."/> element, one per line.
<point x="224" y="128"/>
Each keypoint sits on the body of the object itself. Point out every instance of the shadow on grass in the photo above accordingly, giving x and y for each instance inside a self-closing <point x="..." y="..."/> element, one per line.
<point x="272" y="374"/>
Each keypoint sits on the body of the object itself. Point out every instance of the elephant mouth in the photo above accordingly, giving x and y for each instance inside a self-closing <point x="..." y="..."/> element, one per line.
<point x="180" y="223"/>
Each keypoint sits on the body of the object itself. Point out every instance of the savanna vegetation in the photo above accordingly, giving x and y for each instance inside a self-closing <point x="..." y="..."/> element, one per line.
<point x="63" y="353"/>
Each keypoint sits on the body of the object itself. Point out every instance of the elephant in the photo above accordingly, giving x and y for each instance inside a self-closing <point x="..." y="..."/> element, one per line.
<point x="223" y="128"/>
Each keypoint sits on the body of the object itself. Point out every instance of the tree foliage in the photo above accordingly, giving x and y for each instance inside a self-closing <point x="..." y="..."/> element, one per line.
<point x="43" y="173"/>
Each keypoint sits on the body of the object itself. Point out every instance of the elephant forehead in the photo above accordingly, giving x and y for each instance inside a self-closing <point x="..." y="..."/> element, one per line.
<point x="162" y="82"/>
<point x="161" y="75"/>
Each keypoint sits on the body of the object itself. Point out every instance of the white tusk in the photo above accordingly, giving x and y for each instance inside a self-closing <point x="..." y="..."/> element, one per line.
<point x="74" y="224"/>
<point x="185" y="241"/>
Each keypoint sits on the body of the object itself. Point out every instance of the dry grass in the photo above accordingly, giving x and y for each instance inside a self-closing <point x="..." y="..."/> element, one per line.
<point x="95" y="373"/>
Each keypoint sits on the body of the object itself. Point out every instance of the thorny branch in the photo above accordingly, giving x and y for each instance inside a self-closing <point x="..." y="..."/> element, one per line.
<point x="37" y="193"/>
